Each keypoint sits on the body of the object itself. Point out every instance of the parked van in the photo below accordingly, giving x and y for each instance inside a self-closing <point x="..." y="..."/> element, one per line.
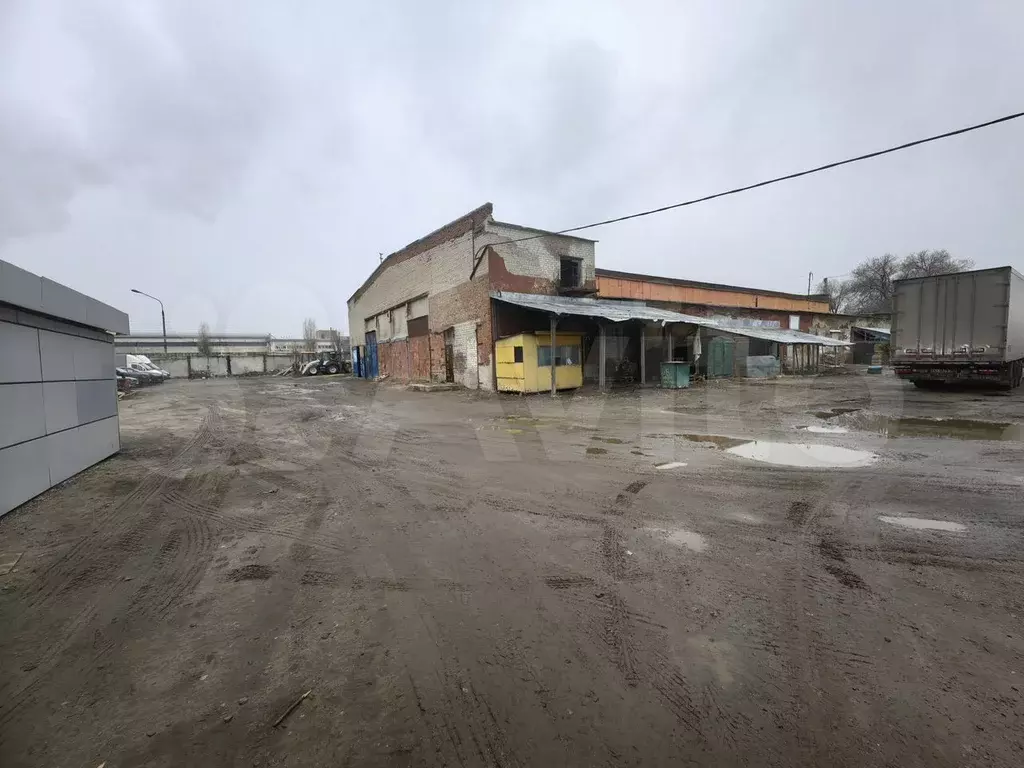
<point x="143" y="364"/>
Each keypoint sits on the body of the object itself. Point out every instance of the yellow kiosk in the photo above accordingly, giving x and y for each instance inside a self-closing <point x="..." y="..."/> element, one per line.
<point x="524" y="362"/>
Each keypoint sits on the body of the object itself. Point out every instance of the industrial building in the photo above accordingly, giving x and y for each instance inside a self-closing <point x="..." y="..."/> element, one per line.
<point x="58" y="387"/>
<point x="444" y="306"/>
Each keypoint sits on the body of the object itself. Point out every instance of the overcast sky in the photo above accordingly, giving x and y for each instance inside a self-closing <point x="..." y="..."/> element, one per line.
<point x="246" y="161"/>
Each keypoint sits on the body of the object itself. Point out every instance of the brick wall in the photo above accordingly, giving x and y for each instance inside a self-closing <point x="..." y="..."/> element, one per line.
<point x="534" y="266"/>
<point x="431" y="265"/>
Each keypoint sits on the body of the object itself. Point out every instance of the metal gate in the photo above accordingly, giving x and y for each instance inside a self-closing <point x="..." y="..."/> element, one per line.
<point x="370" y="364"/>
<point x="721" y="356"/>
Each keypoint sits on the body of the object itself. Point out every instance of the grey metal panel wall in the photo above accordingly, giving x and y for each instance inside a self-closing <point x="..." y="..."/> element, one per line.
<point x="58" y="400"/>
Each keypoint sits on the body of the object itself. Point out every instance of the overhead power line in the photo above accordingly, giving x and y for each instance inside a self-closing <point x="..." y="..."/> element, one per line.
<point x="776" y="180"/>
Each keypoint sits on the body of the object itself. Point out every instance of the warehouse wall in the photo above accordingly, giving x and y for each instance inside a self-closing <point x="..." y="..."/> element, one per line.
<point x="58" y="397"/>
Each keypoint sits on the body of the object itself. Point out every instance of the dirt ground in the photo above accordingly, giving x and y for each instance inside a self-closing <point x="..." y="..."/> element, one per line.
<point x="462" y="579"/>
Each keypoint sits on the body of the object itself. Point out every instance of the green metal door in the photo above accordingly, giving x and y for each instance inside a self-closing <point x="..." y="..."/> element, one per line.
<point x="722" y="352"/>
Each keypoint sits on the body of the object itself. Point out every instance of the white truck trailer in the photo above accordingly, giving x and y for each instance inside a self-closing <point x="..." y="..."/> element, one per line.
<point x="967" y="326"/>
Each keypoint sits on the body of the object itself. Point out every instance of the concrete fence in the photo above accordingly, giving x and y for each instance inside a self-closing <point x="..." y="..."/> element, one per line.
<point x="183" y="365"/>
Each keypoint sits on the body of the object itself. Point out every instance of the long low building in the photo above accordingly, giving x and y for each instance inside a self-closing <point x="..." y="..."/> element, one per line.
<point x="436" y="310"/>
<point x="58" y="386"/>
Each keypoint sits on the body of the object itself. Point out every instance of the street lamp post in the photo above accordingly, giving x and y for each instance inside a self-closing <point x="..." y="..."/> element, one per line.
<point x="163" y="318"/>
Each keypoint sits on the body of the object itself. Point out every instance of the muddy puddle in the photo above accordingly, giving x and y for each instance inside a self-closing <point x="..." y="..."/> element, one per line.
<point x="609" y="440"/>
<point x="681" y="538"/>
<point x="922" y="524"/>
<point x="802" y="454"/>
<point x="596" y="451"/>
<point x="957" y="429"/>
<point x="719" y="441"/>
<point x="833" y="412"/>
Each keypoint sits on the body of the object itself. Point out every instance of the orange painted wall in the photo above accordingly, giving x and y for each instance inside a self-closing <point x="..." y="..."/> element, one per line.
<point x="618" y="288"/>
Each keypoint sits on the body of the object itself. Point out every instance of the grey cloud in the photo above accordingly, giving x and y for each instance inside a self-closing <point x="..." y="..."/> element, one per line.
<point x="255" y="156"/>
<point x="166" y="109"/>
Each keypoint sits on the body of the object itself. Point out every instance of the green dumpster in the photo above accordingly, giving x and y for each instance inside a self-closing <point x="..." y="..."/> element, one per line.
<point x="675" y="375"/>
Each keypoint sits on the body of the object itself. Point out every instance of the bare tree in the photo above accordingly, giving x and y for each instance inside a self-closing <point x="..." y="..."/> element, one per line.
<point x="870" y="286"/>
<point x="309" y="334"/>
<point x="928" y="263"/>
<point x="203" y="341"/>
<point x="336" y="340"/>
<point x="838" y="292"/>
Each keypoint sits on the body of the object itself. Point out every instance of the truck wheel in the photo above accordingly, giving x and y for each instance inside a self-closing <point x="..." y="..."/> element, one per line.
<point x="313" y="371"/>
<point x="332" y="369"/>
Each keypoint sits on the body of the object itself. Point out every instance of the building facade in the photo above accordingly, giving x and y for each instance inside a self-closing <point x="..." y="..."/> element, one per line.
<point x="58" y="388"/>
<point x="437" y="309"/>
<point x="792" y="311"/>
<point x="426" y="311"/>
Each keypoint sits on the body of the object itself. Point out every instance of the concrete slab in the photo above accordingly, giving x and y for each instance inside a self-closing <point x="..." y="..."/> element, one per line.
<point x="433" y="387"/>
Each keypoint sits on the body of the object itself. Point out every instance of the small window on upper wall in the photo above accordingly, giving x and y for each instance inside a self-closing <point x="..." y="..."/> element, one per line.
<point x="572" y="273"/>
<point x="517" y="354"/>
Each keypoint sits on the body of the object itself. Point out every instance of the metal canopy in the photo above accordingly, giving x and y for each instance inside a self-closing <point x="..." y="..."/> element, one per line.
<point x="621" y="311"/>
<point x="886" y="332"/>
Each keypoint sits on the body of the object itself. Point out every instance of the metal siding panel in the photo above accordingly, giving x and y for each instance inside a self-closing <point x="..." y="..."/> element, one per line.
<point x="19" y="353"/>
<point x="23" y="417"/>
<point x="58" y="355"/>
<point x="93" y="359"/>
<point x="61" y="301"/>
<point x="63" y="454"/>
<point x="98" y="440"/>
<point x="96" y="400"/>
<point x="20" y="287"/>
<point x="24" y="473"/>
<point x="60" y="404"/>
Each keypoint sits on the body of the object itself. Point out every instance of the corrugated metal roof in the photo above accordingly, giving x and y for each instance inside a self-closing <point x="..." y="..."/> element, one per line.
<point x="621" y="311"/>
<point x="878" y="331"/>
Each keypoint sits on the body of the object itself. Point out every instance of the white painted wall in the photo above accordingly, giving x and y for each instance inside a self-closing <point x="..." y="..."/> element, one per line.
<point x="540" y="257"/>
<point x="464" y="344"/>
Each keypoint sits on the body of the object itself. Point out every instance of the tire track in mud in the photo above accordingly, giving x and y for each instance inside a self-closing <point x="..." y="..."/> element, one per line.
<point x="807" y="640"/>
<point x="95" y="554"/>
<point x="295" y="532"/>
<point x="459" y="718"/>
<point x="119" y="519"/>
<point x="636" y="643"/>
<point x="188" y="549"/>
